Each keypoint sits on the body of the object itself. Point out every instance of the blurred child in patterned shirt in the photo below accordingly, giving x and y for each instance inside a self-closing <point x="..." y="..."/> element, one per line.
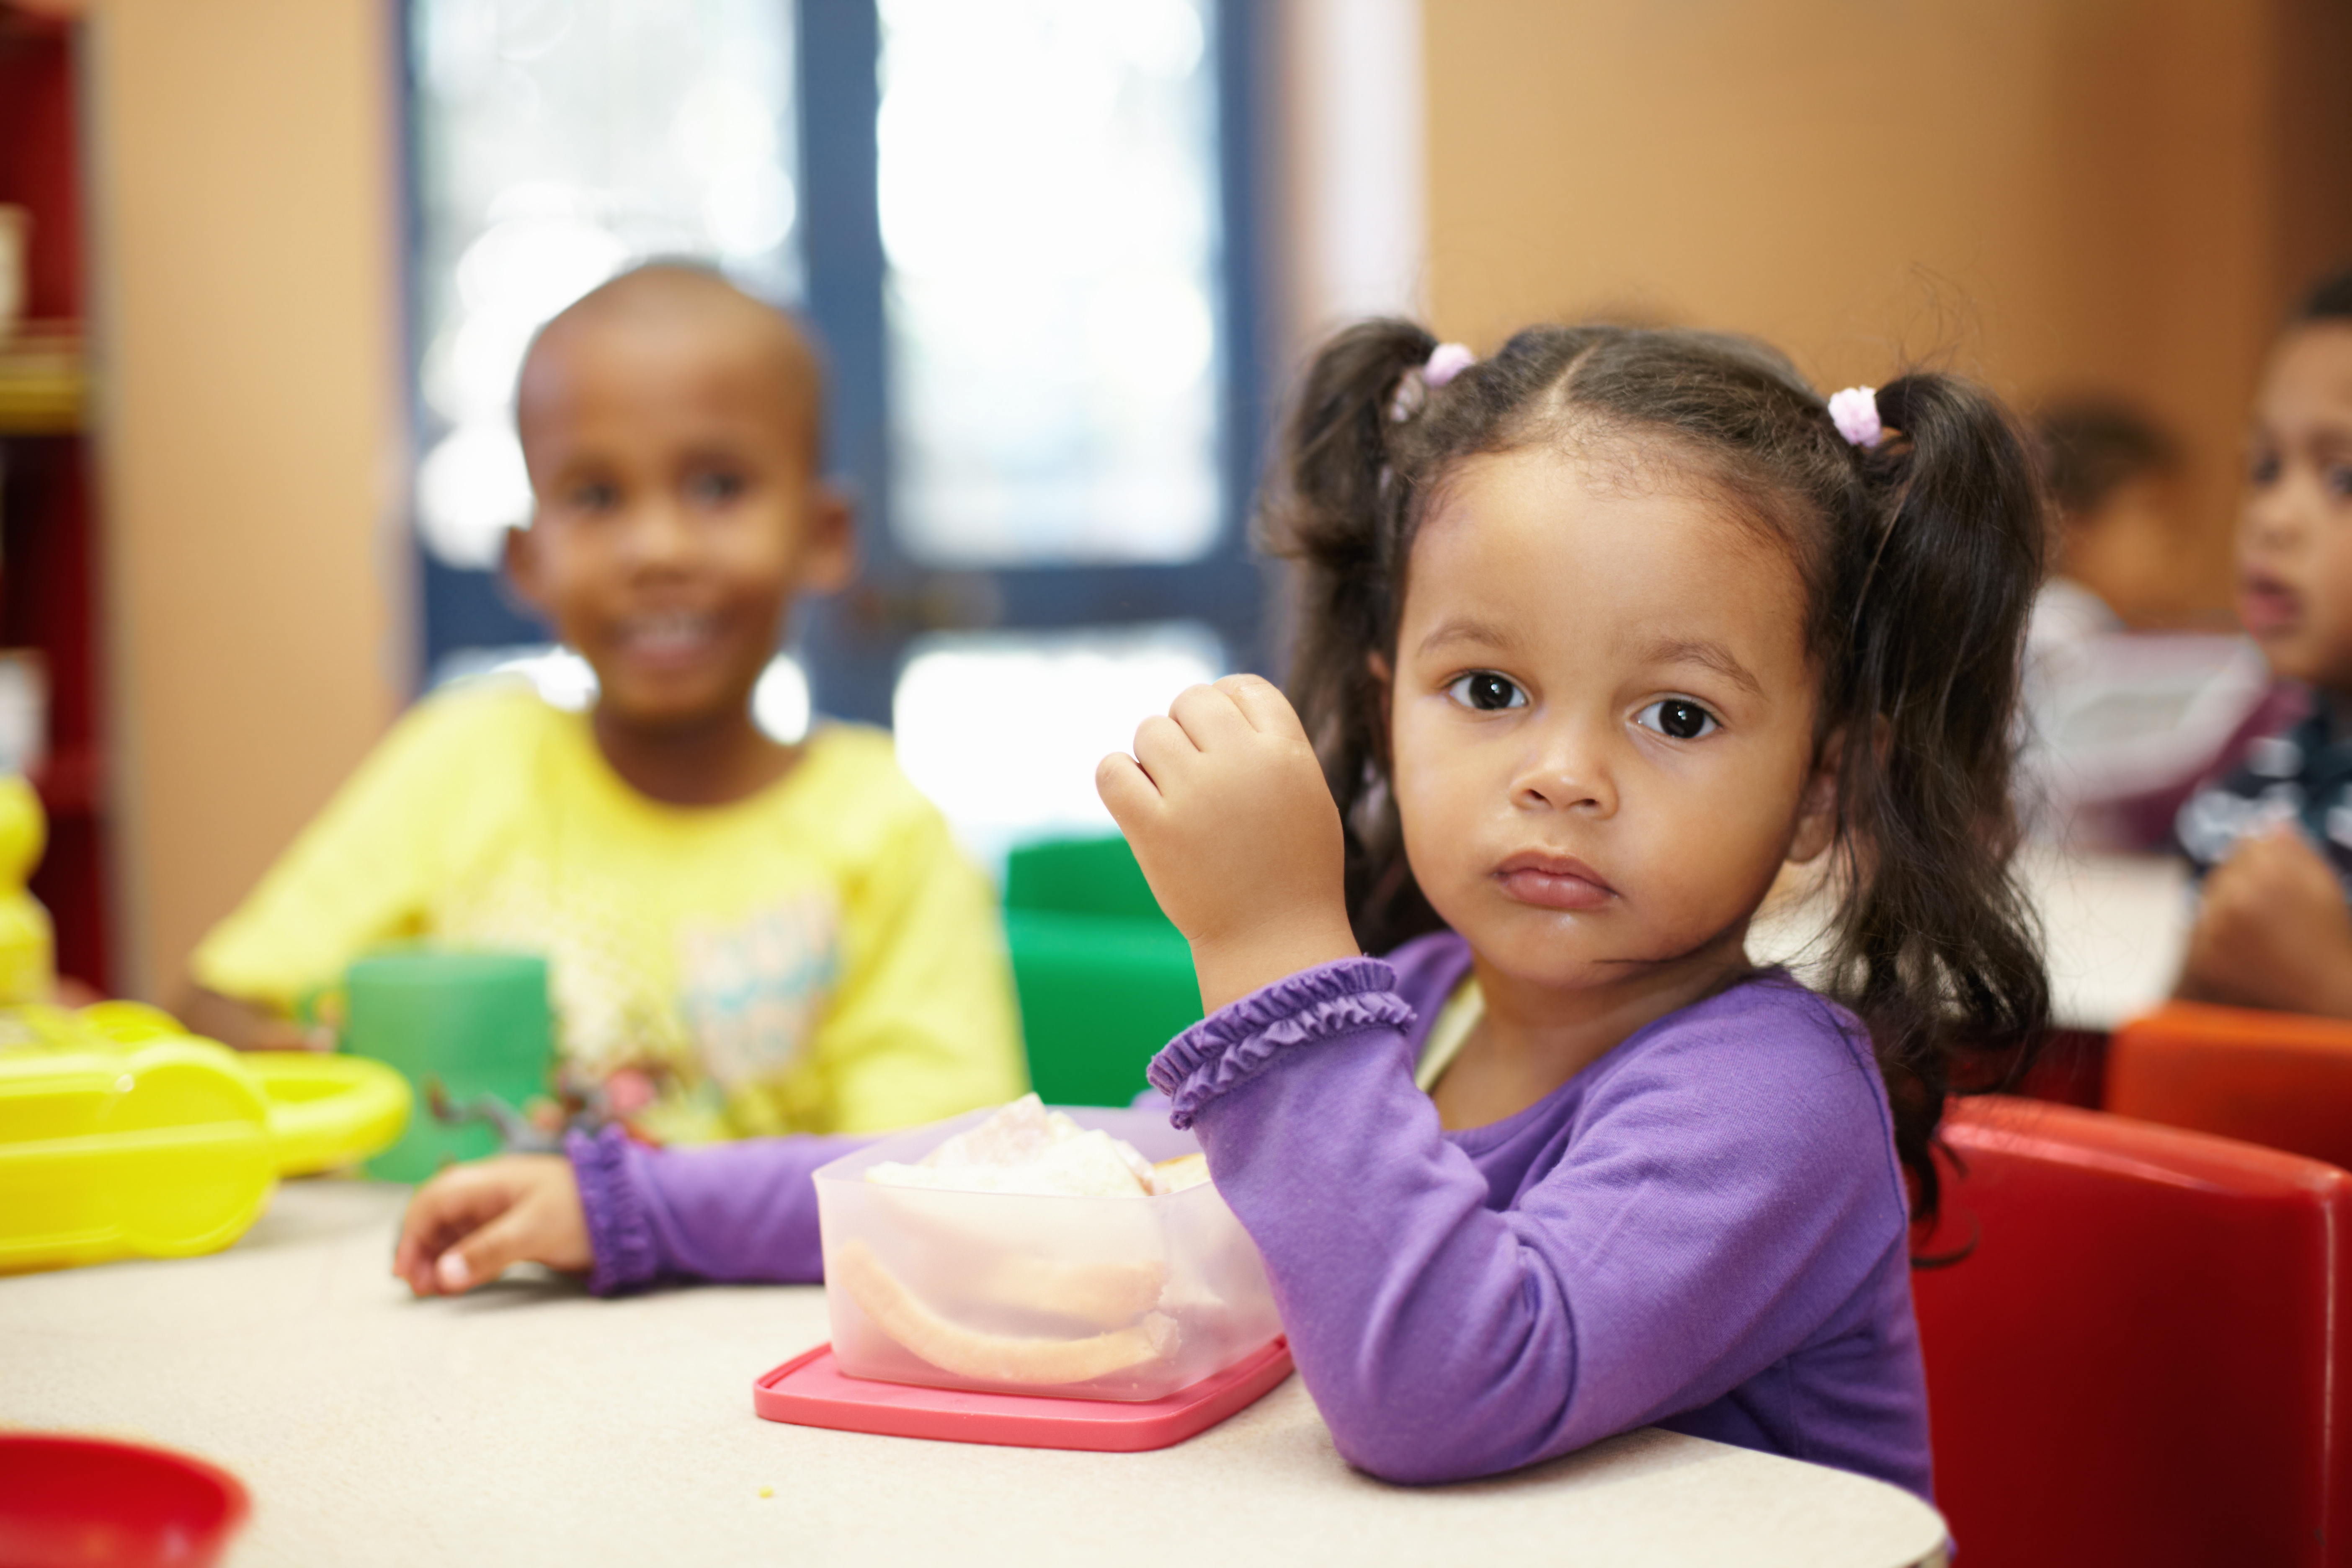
<point x="2273" y="839"/>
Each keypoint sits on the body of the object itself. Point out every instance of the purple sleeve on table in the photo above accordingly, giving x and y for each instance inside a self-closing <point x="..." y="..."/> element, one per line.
<point x="618" y="1233"/>
<point x="737" y="1212"/>
<point x="1236" y="1043"/>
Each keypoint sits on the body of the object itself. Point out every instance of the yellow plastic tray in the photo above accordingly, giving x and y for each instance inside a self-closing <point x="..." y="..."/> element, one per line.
<point x="121" y="1136"/>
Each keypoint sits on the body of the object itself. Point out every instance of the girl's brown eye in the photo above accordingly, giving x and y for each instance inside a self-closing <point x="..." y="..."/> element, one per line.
<point x="1678" y="719"/>
<point x="1486" y="692"/>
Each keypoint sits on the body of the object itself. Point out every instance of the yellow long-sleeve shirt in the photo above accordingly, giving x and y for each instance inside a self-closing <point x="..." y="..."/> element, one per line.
<point x="816" y="958"/>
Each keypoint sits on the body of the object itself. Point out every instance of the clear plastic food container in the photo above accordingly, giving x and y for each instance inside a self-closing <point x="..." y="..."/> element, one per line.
<point x="1113" y="1298"/>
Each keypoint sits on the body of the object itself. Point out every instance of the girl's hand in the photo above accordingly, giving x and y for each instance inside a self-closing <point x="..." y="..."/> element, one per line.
<point x="1225" y="806"/>
<point x="2273" y="931"/>
<point x="467" y="1223"/>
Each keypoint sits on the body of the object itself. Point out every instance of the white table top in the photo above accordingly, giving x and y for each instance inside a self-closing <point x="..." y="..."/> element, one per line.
<point x="2114" y="928"/>
<point x="529" y="1422"/>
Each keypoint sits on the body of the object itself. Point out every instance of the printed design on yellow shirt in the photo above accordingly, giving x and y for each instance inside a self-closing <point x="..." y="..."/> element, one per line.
<point x="609" y="990"/>
<point x="754" y="990"/>
<point x="488" y="820"/>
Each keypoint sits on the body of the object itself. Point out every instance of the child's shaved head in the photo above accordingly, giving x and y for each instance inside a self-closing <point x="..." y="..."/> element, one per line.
<point x="689" y="304"/>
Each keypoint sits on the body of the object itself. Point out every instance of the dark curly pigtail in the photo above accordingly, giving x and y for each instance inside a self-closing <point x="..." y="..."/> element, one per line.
<point x="1339" y="514"/>
<point x="1933" y="944"/>
<point x="1920" y="557"/>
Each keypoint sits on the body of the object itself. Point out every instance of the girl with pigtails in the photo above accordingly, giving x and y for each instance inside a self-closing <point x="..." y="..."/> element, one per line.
<point x="1597" y="634"/>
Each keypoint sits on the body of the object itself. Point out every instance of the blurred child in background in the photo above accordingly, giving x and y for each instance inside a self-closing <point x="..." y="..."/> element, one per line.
<point x="2127" y="702"/>
<point x="743" y="937"/>
<point x="2273" y="839"/>
<point x="2114" y="481"/>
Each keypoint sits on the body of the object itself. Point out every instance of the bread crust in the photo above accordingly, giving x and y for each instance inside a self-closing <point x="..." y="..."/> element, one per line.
<point x="897" y="1312"/>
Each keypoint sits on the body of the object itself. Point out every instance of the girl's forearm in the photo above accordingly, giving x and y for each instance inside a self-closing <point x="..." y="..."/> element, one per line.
<point x="729" y="1212"/>
<point x="1435" y="1343"/>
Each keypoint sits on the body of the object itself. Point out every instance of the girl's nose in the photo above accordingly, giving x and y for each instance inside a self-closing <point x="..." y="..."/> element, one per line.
<point x="1569" y="770"/>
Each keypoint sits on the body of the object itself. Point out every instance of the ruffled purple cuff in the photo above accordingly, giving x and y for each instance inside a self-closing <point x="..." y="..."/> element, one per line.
<point x="1237" y="1042"/>
<point x="619" y="1232"/>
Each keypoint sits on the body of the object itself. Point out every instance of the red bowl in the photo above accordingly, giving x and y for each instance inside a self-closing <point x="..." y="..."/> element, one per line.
<point x="84" y="1501"/>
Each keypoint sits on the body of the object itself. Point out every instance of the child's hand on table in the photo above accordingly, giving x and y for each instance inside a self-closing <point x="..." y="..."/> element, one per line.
<point x="467" y="1223"/>
<point x="2273" y="931"/>
<point x="1225" y="806"/>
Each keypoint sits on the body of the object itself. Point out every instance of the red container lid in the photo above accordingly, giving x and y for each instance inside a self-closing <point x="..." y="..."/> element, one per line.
<point x="67" y="1502"/>
<point x="810" y="1390"/>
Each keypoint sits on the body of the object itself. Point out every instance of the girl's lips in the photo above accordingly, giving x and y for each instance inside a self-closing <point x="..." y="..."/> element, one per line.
<point x="2267" y="606"/>
<point x="1553" y="882"/>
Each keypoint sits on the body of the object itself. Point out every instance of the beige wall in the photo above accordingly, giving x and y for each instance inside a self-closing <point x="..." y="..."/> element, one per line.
<point x="2051" y="193"/>
<point x="245" y="241"/>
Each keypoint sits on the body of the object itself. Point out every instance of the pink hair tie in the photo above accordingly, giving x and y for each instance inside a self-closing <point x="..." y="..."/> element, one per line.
<point x="1854" y="411"/>
<point x="1445" y="362"/>
<point x="1448" y="360"/>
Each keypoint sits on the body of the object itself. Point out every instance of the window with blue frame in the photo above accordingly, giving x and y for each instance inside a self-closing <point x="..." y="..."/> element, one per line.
<point x="1047" y="182"/>
<point x="1023" y="230"/>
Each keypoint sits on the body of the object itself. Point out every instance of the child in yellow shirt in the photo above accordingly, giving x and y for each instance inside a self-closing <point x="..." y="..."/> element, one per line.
<point x="748" y="938"/>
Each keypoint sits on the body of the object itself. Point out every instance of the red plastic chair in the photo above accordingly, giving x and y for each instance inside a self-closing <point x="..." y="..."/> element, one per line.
<point x="2145" y="1356"/>
<point x="2276" y="1079"/>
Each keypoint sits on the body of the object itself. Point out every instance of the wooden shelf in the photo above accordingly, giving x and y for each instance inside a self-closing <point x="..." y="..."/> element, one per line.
<point x="44" y="380"/>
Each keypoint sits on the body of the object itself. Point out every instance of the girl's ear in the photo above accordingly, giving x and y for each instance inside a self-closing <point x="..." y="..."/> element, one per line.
<point x="1817" y="808"/>
<point x="1378" y="663"/>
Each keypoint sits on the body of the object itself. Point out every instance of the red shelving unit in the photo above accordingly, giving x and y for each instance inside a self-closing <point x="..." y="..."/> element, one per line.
<point x="48" y="537"/>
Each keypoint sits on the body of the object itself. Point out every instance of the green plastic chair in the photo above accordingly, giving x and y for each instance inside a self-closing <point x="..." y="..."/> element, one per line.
<point x="1104" y="979"/>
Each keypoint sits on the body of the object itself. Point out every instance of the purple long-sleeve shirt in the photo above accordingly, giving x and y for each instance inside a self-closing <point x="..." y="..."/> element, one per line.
<point x="1705" y="1229"/>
